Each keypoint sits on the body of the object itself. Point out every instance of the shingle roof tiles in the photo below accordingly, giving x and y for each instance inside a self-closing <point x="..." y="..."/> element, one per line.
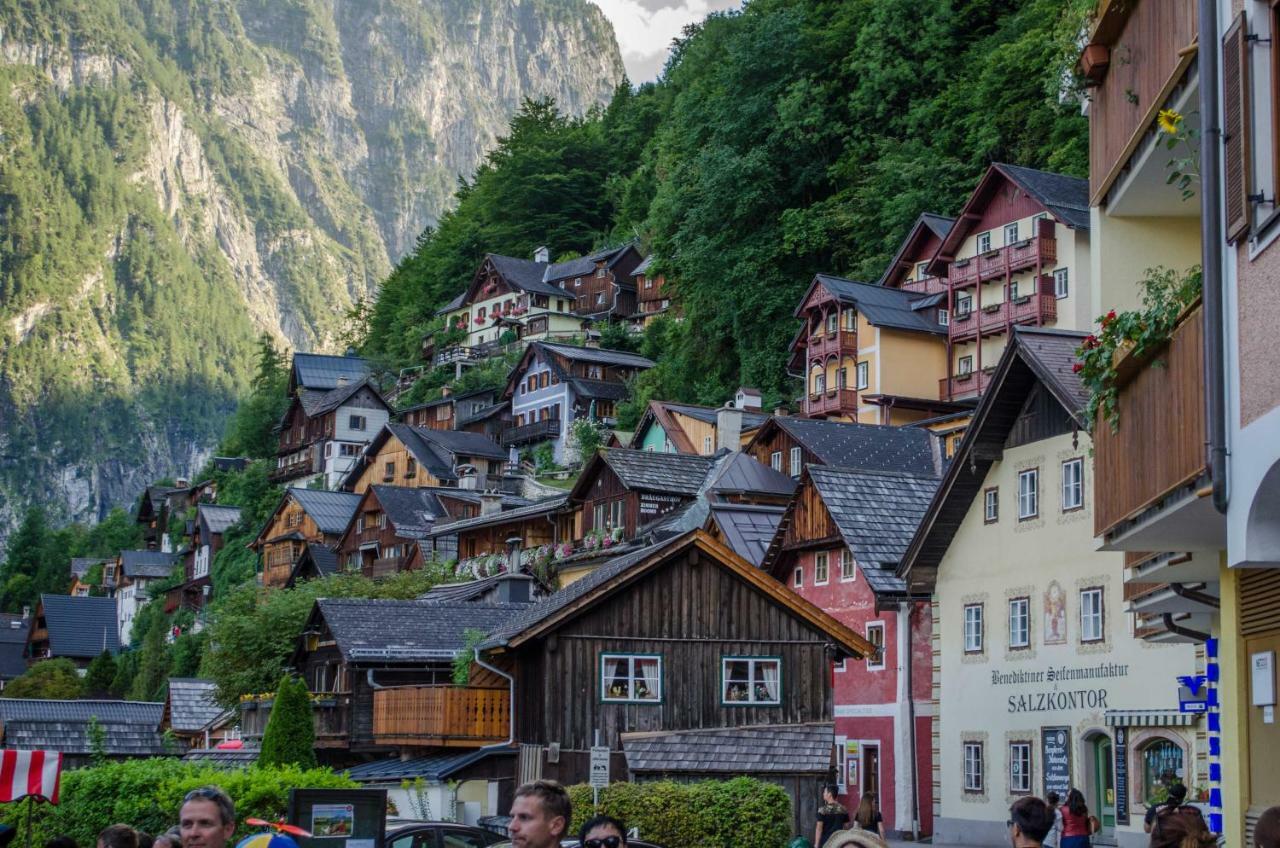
<point x="776" y="749"/>
<point x="81" y="626"/>
<point x="873" y="447"/>
<point x="331" y="511"/>
<point x="673" y="473"/>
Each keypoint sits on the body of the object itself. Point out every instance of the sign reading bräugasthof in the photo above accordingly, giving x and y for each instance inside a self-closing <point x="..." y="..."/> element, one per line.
<point x="1053" y="697"/>
<point x="1055" y="754"/>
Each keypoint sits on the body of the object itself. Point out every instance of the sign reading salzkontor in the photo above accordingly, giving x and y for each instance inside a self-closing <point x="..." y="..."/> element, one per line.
<point x="1056" y="699"/>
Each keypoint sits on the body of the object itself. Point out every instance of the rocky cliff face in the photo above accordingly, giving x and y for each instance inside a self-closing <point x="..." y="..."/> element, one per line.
<point x="178" y="177"/>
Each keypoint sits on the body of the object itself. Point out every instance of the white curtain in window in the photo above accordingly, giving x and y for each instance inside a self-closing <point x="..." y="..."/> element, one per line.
<point x="769" y="670"/>
<point x="648" y="674"/>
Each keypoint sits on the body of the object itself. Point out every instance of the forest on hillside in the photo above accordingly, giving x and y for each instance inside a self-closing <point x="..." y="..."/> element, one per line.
<point x="784" y="140"/>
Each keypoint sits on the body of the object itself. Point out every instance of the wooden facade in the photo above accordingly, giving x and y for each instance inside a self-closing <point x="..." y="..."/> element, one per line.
<point x="301" y="435"/>
<point x="284" y="539"/>
<point x="532" y="530"/>
<point x="372" y="543"/>
<point x="393" y="464"/>
<point x="608" y="288"/>
<point x="809" y="524"/>
<point x="598" y="507"/>
<point x="771" y="440"/>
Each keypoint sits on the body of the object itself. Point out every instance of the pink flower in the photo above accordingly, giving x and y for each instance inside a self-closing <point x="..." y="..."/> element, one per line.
<point x="1077" y="367"/>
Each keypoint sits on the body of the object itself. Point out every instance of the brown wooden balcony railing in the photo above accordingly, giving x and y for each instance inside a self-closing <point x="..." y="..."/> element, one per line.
<point x="963" y="385"/>
<point x="293" y="469"/>
<point x="537" y="431"/>
<point x="925" y="285"/>
<point x="828" y="344"/>
<point x="330" y="714"/>
<point x="386" y="566"/>
<point x="1158" y="445"/>
<point x="839" y="401"/>
<point x="441" y="715"/>
<point x="962" y="273"/>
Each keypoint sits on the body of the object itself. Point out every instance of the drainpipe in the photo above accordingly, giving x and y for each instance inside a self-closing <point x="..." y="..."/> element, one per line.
<point x="511" y="684"/>
<point x="1194" y="635"/>
<point x="911" y="725"/>
<point x="1212" y="253"/>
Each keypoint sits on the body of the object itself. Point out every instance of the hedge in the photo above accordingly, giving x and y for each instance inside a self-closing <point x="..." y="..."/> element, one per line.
<point x="739" y="813"/>
<point x="146" y="794"/>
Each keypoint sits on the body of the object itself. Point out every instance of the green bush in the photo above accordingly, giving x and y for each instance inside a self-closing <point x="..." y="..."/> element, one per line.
<point x="147" y="794"/>
<point x="741" y="813"/>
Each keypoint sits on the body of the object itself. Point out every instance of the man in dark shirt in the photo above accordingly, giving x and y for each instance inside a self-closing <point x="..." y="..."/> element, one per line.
<point x="1030" y="821"/>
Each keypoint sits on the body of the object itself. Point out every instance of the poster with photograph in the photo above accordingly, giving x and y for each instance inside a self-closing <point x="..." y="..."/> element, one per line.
<point x="333" y="820"/>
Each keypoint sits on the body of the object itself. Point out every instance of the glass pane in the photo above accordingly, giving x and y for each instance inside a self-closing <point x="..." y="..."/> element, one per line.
<point x="737" y="680"/>
<point x="647" y="680"/>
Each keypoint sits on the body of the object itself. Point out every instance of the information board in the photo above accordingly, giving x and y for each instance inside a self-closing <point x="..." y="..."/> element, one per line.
<point x="1122" y="775"/>
<point x="1055" y="754"/>
<point x="339" y="818"/>
<point x="599" y="766"/>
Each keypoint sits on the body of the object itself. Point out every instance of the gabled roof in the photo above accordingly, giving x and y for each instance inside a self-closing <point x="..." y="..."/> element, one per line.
<point x="321" y="402"/>
<point x="217" y="519"/>
<point x="316" y="560"/>
<point x="461" y="443"/>
<point x="329" y="510"/>
<point x="191" y="706"/>
<point x="324" y="373"/>
<point x="406" y="631"/>
<point x="524" y="274"/>
<point x="660" y="412"/>
<point x="471" y="590"/>
<point x="80" y="627"/>
<point x="80" y="565"/>
<point x="743" y="473"/>
<point x="874" y="447"/>
<point x="130" y="728"/>
<point x="147" y="563"/>
<point x="434" y="450"/>
<point x="583" y="387"/>
<point x="927" y="225"/>
<point x="643" y="267"/>
<point x="585" y="266"/>
<point x="482" y="414"/>
<point x="620" y="572"/>
<point x="544" y="507"/>
<point x="1033" y="356"/>
<point x="411" y="511"/>
<point x="881" y="306"/>
<point x="597" y="355"/>
<point x="766" y="749"/>
<point x="747" y="528"/>
<point x="670" y="473"/>
<point x="13" y="645"/>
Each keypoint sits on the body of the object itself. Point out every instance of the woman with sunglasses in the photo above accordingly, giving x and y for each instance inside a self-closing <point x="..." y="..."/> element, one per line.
<point x="603" y="832"/>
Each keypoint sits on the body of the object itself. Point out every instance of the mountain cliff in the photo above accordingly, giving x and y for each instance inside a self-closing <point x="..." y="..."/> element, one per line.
<point x="180" y="177"/>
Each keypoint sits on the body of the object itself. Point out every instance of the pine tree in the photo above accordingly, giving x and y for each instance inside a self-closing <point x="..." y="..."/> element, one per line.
<point x="100" y="675"/>
<point x="153" y="664"/>
<point x="290" y="737"/>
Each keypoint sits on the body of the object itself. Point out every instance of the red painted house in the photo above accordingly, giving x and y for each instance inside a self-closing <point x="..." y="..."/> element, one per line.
<point x="837" y="546"/>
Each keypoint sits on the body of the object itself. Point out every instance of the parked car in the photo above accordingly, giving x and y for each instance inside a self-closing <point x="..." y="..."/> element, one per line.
<point x="438" y="835"/>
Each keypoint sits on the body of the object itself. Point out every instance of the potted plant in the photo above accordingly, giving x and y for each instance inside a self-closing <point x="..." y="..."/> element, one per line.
<point x="1094" y="61"/>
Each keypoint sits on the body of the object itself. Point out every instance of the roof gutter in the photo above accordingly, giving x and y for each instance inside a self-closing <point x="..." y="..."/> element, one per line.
<point x="1212" y="254"/>
<point x="511" y="720"/>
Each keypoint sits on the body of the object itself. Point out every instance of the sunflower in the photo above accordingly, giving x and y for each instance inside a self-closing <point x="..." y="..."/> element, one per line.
<point x="1169" y="121"/>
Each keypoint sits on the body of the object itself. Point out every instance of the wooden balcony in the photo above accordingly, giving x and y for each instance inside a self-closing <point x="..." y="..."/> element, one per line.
<point x="538" y="431"/>
<point x="840" y="342"/>
<point x="1040" y="251"/>
<point x="996" y="318"/>
<point x="441" y="716"/>
<point x="836" y="402"/>
<point x="298" y="468"/>
<point x="964" y="385"/>
<point x="331" y="719"/>
<point x="1153" y="464"/>
<point x="962" y="273"/>
<point x="926" y="285"/>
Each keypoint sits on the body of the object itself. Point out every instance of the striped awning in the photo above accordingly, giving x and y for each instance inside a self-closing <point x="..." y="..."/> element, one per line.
<point x="1150" y="718"/>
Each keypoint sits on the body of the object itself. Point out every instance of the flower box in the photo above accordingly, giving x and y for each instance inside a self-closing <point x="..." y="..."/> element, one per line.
<point x="1094" y="61"/>
<point x="960" y="263"/>
<point x="992" y="308"/>
<point x="991" y="254"/>
<point x="1026" y="298"/>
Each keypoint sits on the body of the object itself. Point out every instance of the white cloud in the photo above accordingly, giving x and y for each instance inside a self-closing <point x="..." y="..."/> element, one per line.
<point x="644" y="34"/>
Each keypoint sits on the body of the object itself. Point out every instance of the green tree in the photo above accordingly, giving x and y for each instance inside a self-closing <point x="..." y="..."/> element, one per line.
<point x="55" y="679"/>
<point x="290" y="735"/>
<point x="154" y="659"/>
<point x="100" y="675"/>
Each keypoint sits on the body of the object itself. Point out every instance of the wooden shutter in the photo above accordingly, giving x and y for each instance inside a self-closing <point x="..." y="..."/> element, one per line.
<point x="1259" y="600"/>
<point x="1236" y="127"/>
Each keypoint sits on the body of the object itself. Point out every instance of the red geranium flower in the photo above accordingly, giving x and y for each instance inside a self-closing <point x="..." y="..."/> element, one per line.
<point x="1077" y="367"/>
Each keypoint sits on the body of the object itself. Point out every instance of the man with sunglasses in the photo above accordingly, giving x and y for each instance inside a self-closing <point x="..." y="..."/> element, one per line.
<point x="207" y="818"/>
<point x="603" y="832"/>
<point x="540" y="814"/>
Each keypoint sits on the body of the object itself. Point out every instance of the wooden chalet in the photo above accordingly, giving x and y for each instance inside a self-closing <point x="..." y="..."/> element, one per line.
<point x="83" y="572"/>
<point x="316" y="561"/>
<point x="302" y="518"/>
<point x="77" y="628"/>
<point x="401" y="455"/>
<point x="211" y="522"/>
<point x="322" y="432"/>
<point x="82" y="731"/>
<point x="667" y="427"/>
<point x="193" y="716"/>
<point x="789" y="444"/>
<point x="475" y="412"/>
<point x="623" y="490"/>
<point x="522" y="528"/>
<point x="136" y="572"/>
<point x="159" y="504"/>
<point x="766" y="695"/>
<point x="653" y="296"/>
<point x="602" y="284"/>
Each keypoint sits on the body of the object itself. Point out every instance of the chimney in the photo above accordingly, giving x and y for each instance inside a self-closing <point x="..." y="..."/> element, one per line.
<point x="513" y="553"/>
<point x="780" y="411"/>
<point x="446" y="391"/>
<point x="182" y="482"/>
<point x="728" y="428"/>
<point x="542" y="254"/>
<point x="515" y="588"/>
<point x="490" y="503"/>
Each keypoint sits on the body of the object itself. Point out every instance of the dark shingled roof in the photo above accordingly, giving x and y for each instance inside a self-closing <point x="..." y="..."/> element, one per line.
<point x="191" y="704"/>
<point x="643" y="267"/>
<point x="747" y="528"/>
<point x="331" y="511"/>
<point x="883" y="307"/>
<point x="80" y="565"/>
<point x="877" y="514"/>
<point x="147" y="563"/>
<point x="766" y="749"/>
<point x="874" y="447"/>
<point x="598" y="355"/>
<point x="319" y="402"/>
<point x="131" y="728"/>
<point x="436" y="767"/>
<point x="1051" y="354"/>
<point x="546" y="506"/>
<point x="584" y="266"/>
<point x="411" y="511"/>
<point x="81" y="627"/>
<point x="320" y="372"/>
<point x="672" y="473"/>
<point x="474" y="590"/>
<point x="324" y="558"/>
<point x="227" y="758"/>
<point x="1066" y="197"/>
<point x="939" y="224"/>
<point x="13" y="645"/>
<point x="463" y="443"/>
<point x="408" y="631"/>
<point x="218" y="518"/>
<point x="524" y="274"/>
<point x="707" y="414"/>
<point x="743" y="473"/>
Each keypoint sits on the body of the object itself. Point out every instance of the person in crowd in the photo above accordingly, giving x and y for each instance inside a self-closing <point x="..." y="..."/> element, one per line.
<point x="1177" y="795"/>
<point x="1030" y="821"/>
<point x="868" y="816"/>
<point x="63" y="842"/>
<point x="603" y="832"/>
<point x="832" y="816"/>
<point x="1075" y="821"/>
<point x="145" y="840"/>
<point x="207" y="818"/>
<point x="1181" y="827"/>
<point x="7" y="834"/>
<point x="1266" y="833"/>
<point x="171" y="838"/>
<point x="118" y="836"/>
<point x="540" y="815"/>
<point x="856" y="838"/>
<point x="1054" y="837"/>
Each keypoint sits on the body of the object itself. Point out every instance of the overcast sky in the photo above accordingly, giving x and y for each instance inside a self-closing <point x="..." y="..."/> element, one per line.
<point x="645" y="28"/>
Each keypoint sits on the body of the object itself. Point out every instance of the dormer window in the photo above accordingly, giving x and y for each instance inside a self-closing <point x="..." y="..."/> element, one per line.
<point x="922" y="270"/>
<point x="600" y="272"/>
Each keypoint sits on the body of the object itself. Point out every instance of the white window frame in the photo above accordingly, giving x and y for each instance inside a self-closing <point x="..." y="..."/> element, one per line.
<point x="922" y="270"/>
<point x="1010" y="229"/>
<point x="796" y="458"/>
<point x="973" y="629"/>
<point x="754" y="678"/>
<point x="617" y="513"/>
<point x="864" y="375"/>
<point x="706" y="445"/>
<point x="1093" y="622"/>
<point x="631" y="679"/>
<point x="973" y="767"/>
<point x="1073" y="484"/>
<point x="964" y="365"/>
<point x="991" y="505"/>
<point x="944" y="318"/>
<point x="1020" y="768"/>
<point x="964" y="305"/>
<point x="872" y="663"/>
<point x="775" y="461"/>
<point x="821" y="568"/>
<point x="1061" y="283"/>
<point x="833" y="323"/>
<point x="797" y="577"/>
<point x="982" y="242"/>
<point x="1019" y="623"/>
<point x="1028" y="494"/>
<point x="848" y="568"/>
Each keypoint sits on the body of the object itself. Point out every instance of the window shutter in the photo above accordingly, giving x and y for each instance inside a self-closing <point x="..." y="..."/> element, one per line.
<point x="1236" y="127"/>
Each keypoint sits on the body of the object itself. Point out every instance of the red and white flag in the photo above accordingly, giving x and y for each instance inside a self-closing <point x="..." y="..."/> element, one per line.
<point x="36" y="773"/>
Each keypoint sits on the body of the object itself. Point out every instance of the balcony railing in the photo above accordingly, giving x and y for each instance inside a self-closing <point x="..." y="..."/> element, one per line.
<point x="827" y="344"/>
<point x="995" y="318"/>
<point x="538" y="431"/>
<point x="925" y="285"/>
<point x="1157" y="449"/>
<point x="330" y="714"/>
<point x="297" y="468"/>
<point x="441" y="716"/>
<point x="1041" y="250"/>
<point x="962" y="273"/>
<point x="386" y="566"/>
<point x="838" y="401"/>
<point x="964" y="385"/>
